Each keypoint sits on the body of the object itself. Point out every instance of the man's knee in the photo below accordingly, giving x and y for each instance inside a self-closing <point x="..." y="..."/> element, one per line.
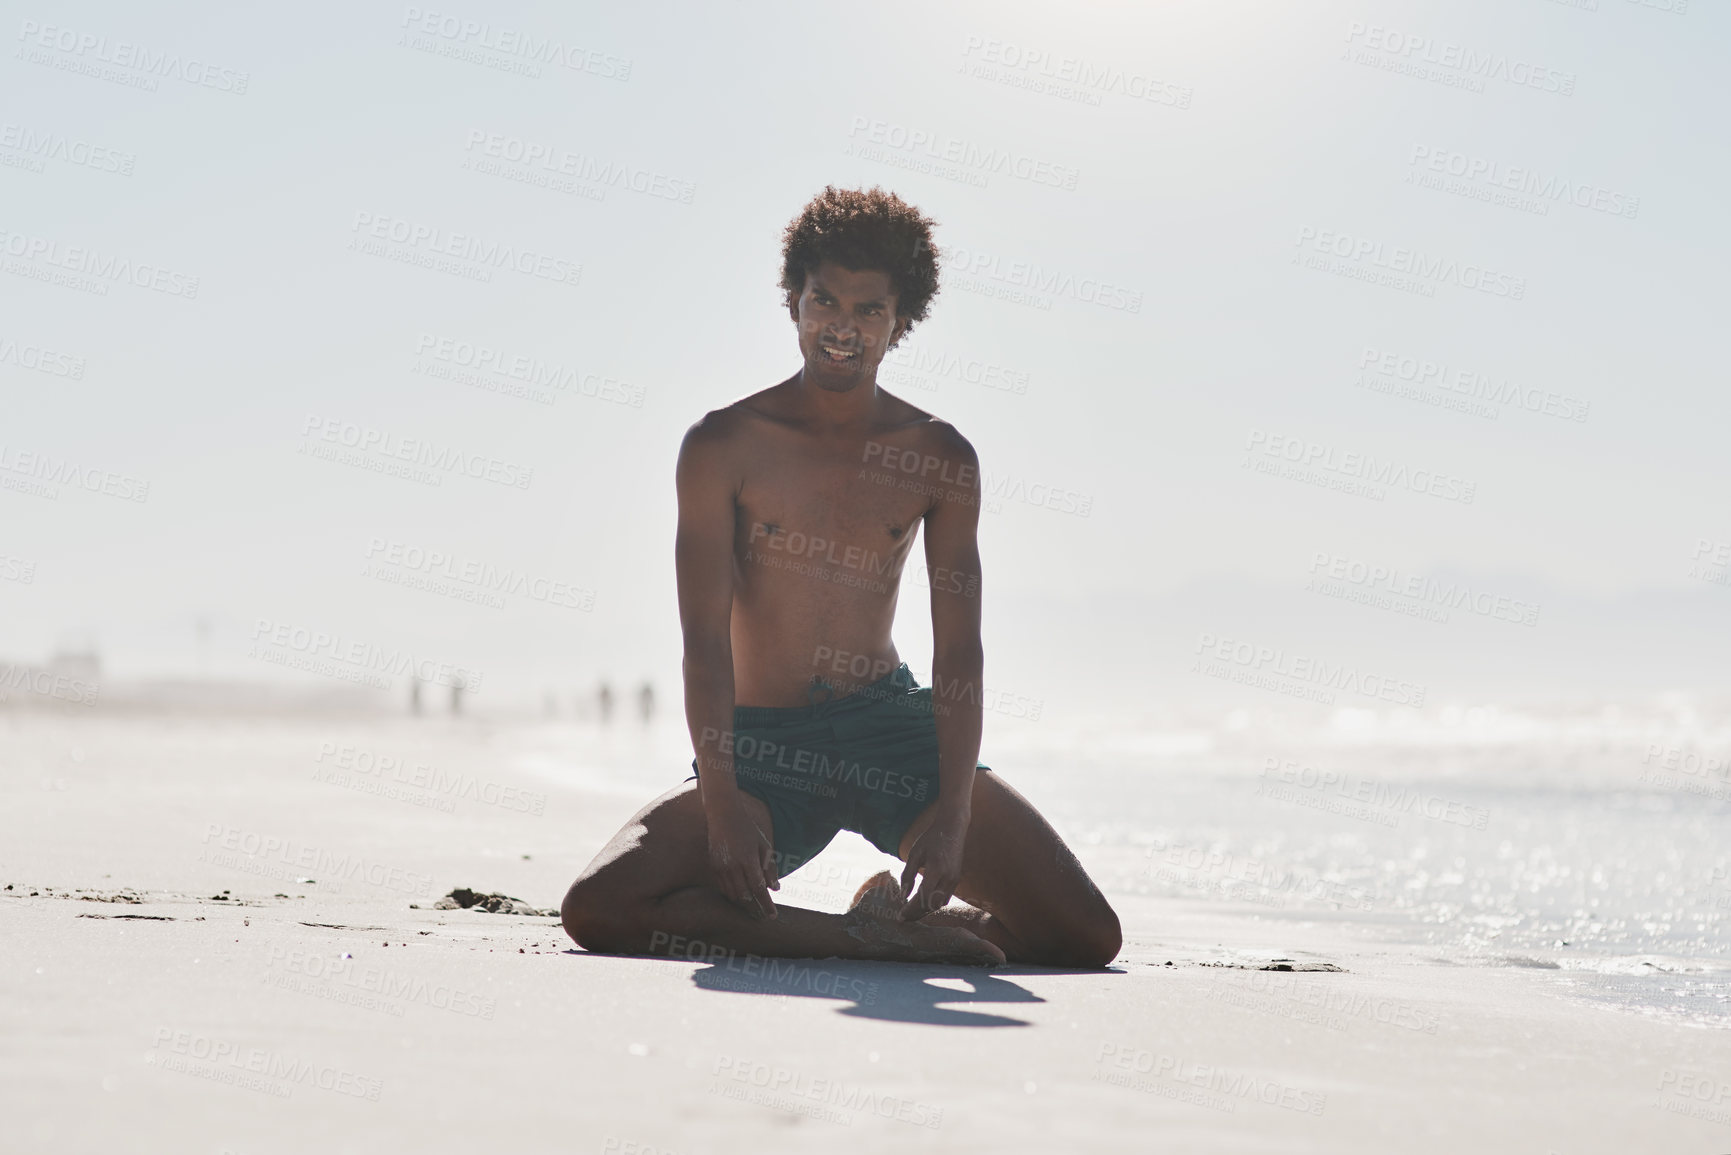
<point x="1090" y="939"/>
<point x="1102" y="939"/>
<point x="592" y="917"/>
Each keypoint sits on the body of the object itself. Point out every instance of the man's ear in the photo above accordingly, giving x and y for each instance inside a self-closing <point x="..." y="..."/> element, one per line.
<point x="793" y="305"/>
<point x="897" y="332"/>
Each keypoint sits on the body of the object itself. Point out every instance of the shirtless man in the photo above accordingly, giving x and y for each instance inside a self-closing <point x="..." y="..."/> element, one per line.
<point x="798" y="507"/>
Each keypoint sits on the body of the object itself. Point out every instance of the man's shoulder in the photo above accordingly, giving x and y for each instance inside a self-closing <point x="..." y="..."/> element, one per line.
<point x="932" y="433"/>
<point x="729" y="423"/>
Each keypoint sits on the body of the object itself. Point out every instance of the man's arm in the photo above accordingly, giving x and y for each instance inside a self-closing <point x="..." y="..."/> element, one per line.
<point x="958" y="663"/>
<point x="740" y="856"/>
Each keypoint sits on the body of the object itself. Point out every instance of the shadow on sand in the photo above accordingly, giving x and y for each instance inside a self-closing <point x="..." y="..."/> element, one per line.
<point x="894" y="992"/>
<point x="891" y="991"/>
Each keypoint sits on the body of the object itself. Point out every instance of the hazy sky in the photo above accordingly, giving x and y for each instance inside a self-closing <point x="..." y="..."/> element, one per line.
<point x="1444" y="250"/>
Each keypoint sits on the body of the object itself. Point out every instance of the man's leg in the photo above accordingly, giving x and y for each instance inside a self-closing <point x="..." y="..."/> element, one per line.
<point x="651" y="883"/>
<point x="1032" y="896"/>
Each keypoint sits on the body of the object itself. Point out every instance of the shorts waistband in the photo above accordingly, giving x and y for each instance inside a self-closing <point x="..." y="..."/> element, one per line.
<point x="892" y="687"/>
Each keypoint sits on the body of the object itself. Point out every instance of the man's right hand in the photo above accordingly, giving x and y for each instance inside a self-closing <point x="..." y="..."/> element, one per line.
<point x="742" y="860"/>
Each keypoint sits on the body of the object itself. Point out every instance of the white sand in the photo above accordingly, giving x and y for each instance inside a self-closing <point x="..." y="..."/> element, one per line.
<point x="212" y="1029"/>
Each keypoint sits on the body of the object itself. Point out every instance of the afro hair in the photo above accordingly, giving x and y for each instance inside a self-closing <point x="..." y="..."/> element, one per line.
<point x="860" y="230"/>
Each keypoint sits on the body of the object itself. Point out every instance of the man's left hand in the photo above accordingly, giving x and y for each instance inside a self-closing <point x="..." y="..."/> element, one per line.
<point x="936" y="859"/>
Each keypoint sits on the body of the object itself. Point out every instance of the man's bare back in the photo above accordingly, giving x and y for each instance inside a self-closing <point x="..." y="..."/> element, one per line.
<point x="798" y="507"/>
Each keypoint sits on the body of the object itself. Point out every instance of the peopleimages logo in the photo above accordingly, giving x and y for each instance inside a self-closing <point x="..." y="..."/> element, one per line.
<point x="1038" y="279"/>
<point x="17" y="569"/>
<point x="754" y="757"/>
<point x="1418" y="52"/>
<point x="829" y="1099"/>
<point x="1711" y="561"/>
<point x="562" y="162"/>
<point x="1221" y="657"/>
<point x="403" y="563"/>
<point x="1397" y="799"/>
<point x="282" y="858"/>
<point x="811" y="547"/>
<point x="526" y="376"/>
<point x="40" y="146"/>
<point x="41" y="360"/>
<point x="372" y="768"/>
<point x="1687" y="761"/>
<point x="1233" y="1085"/>
<point x="433" y="242"/>
<point x="1404" y="262"/>
<point x="526" y="46"/>
<point x="254" y="1067"/>
<point x="339" y="978"/>
<point x="1331" y="572"/>
<point x="966" y="154"/>
<point x="89" y="47"/>
<point x="1522" y="179"/>
<point x="49" y="471"/>
<point x="1696" y="1095"/>
<point x="416" y="451"/>
<point x="1470" y="384"/>
<point x="45" y="683"/>
<point x="1066" y="77"/>
<point x="1321" y="1003"/>
<point x="936" y="363"/>
<point x="1351" y="471"/>
<point x="279" y="642"/>
<point x="1214" y="869"/>
<point x="104" y="267"/>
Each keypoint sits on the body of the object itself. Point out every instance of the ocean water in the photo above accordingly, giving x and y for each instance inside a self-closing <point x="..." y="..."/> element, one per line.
<point x="1593" y="843"/>
<point x="1599" y="849"/>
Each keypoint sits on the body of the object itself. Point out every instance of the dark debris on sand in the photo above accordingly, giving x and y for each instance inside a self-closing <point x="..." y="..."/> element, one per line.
<point x="462" y="898"/>
<point x="1279" y="964"/>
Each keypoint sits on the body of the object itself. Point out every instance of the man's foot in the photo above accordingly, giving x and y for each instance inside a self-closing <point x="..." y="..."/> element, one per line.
<point x="873" y="919"/>
<point x="879" y="896"/>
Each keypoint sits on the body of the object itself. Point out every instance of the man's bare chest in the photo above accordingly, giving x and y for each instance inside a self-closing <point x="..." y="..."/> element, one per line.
<point x="834" y="513"/>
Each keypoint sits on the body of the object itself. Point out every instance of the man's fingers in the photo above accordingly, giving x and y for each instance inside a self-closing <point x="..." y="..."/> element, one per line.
<point x="936" y="893"/>
<point x="916" y="903"/>
<point x="732" y="887"/>
<point x="746" y="899"/>
<point x="742" y="885"/>
<point x="933" y="894"/>
<point x="759" y="892"/>
<point x="909" y="873"/>
<point x="771" y="875"/>
<point x="736" y="887"/>
<point x="723" y="883"/>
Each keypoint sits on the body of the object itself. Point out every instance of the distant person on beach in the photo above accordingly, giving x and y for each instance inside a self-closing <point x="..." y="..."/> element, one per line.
<point x="646" y="703"/>
<point x="798" y="508"/>
<point x="604" y="700"/>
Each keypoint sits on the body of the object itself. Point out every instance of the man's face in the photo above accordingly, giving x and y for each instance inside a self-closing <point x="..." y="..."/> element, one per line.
<point x="847" y="322"/>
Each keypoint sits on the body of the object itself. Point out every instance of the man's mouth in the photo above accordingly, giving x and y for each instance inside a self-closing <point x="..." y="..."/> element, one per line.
<point x="838" y="354"/>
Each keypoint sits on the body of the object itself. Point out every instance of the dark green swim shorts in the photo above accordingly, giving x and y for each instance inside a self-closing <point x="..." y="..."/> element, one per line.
<point x="866" y="762"/>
